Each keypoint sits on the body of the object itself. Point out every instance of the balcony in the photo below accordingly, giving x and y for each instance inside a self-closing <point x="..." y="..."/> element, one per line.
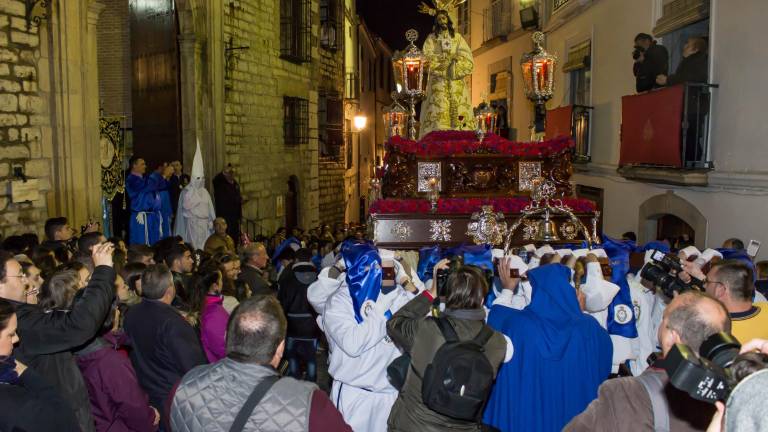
<point x="665" y="135"/>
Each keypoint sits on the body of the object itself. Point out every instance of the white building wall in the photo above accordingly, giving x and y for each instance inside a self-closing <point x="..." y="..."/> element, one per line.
<point x="737" y="196"/>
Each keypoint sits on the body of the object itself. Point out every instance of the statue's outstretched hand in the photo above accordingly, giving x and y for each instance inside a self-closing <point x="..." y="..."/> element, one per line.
<point x="426" y="9"/>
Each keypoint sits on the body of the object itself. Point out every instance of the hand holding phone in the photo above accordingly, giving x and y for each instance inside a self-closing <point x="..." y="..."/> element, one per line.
<point x="753" y="248"/>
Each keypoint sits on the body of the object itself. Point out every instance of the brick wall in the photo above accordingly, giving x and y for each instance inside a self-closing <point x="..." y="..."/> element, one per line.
<point x="23" y="114"/>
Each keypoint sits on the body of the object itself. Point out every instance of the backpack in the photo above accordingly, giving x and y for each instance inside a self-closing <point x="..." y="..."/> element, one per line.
<point x="458" y="381"/>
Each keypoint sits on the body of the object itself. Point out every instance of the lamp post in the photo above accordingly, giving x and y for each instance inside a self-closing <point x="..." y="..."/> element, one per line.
<point x="538" y="67"/>
<point x="359" y="122"/>
<point x="410" y="68"/>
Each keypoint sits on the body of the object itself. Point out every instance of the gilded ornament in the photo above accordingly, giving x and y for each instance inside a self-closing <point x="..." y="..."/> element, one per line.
<point x="401" y="231"/>
<point x="487" y="227"/>
<point x="569" y="230"/>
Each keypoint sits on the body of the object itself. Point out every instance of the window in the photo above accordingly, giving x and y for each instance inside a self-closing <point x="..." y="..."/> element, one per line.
<point x="330" y="121"/>
<point x="497" y="19"/>
<point x="463" y="18"/>
<point x="330" y="23"/>
<point x="579" y="71"/>
<point x="295" y="30"/>
<point x="675" y="40"/>
<point x="295" y="120"/>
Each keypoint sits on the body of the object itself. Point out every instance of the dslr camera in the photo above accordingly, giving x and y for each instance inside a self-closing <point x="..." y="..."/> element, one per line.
<point x="455" y="263"/>
<point x="662" y="272"/>
<point x="637" y="52"/>
<point x="706" y="376"/>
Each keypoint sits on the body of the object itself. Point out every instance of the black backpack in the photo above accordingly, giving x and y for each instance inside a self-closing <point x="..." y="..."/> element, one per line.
<point x="458" y="382"/>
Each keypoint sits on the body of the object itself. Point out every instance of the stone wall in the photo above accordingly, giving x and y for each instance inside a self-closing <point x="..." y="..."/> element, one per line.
<point x="331" y="174"/>
<point x="254" y="114"/>
<point x="22" y="116"/>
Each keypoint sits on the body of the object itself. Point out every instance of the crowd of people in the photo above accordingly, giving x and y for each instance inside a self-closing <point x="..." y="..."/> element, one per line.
<point x="199" y="328"/>
<point x="97" y="335"/>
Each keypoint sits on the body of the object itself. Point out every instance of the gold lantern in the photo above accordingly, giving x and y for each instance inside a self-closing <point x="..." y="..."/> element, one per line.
<point x="485" y="117"/>
<point x="538" y="68"/>
<point x="395" y="117"/>
<point x="411" y="69"/>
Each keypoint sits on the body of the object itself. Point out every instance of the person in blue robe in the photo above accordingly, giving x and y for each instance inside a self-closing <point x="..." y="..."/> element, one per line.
<point x="561" y="356"/>
<point x="146" y="223"/>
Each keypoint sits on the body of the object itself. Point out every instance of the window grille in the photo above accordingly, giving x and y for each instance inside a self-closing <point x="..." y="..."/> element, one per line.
<point x="295" y="30"/>
<point x="295" y="120"/>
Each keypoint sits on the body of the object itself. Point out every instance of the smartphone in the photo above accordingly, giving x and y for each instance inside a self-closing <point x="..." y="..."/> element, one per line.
<point x="753" y="248"/>
<point x="387" y="275"/>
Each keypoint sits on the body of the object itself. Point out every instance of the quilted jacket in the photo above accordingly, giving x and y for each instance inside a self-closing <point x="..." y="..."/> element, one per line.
<point x="210" y="396"/>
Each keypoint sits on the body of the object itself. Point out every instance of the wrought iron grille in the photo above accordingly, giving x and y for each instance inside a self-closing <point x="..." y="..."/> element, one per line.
<point x="295" y="30"/>
<point x="498" y="19"/>
<point x="331" y="24"/>
<point x="295" y="120"/>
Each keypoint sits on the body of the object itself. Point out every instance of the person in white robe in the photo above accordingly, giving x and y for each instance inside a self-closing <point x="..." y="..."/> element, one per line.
<point x="195" y="214"/>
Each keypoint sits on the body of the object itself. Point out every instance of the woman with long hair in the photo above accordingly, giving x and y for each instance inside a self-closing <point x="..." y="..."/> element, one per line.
<point x="29" y="402"/>
<point x="206" y="302"/>
<point x="58" y="292"/>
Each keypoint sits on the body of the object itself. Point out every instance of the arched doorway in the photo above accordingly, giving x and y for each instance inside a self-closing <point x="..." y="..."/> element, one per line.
<point x="669" y="215"/>
<point x="292" y="204"/>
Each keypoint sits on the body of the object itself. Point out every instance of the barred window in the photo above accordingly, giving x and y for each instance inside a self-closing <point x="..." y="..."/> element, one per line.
<point x="330" y="124"/>
<point x="295" y="30"/>
<point x="295" y="120"/>
<point x="331" y="24"/>
<point x="463" y="11"/>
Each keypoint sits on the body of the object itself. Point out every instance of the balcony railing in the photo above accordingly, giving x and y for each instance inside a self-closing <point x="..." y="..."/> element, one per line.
<point x="667" y="127"/>
<point x="352" y="86"/>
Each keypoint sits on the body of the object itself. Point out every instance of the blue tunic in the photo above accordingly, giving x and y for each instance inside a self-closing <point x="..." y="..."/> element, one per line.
<point x="146" y="204"/>
<point x="561" y="356"/>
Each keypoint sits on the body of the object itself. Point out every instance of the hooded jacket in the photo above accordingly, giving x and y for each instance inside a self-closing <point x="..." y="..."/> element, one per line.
<point x="558" y="351"/>
<point x="293" y="297"/>
<point x="118" y="402"/>
<point x="213" y="328"/>
<point x="49" y="339"/>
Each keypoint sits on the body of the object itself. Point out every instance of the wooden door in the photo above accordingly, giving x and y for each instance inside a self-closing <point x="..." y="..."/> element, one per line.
<point x="155" y="81"/>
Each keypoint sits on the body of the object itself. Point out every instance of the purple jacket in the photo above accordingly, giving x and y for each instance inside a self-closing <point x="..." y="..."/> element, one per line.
<point x="119" y="404"/>
<point x="213" y="328"/>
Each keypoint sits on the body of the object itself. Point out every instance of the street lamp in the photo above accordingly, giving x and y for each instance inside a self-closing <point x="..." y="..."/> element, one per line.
<point x="411" y="69"/>
<point x="359" y="122"/>
<point x="538" y="67"/>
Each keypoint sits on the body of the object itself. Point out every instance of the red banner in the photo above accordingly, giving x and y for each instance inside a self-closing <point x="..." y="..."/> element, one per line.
<point x="651" y="126"/>
<point x="559" y="122"/>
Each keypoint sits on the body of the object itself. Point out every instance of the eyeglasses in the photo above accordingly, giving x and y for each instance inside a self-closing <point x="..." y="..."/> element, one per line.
<point x="16" y="276"/>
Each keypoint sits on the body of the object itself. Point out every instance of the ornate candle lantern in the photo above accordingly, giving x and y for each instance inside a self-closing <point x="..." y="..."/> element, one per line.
<point x="538" y="67"/>
<point x="395" y="116"/>
<point x="411" y="72"/>
<point x="485" y="117"/>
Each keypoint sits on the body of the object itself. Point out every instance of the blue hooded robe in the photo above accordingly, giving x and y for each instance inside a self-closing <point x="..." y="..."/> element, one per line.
<point x="561" y="356"/>
<point x="146" y="204"/>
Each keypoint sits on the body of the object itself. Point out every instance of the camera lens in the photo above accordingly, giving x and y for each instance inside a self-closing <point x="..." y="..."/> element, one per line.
<point x="720" y="349"/>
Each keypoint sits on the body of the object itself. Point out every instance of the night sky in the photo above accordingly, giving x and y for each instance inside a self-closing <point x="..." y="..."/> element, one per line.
<point x="391" y="18"/>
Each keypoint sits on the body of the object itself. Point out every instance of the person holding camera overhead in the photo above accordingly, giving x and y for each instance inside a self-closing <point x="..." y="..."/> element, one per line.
<point x="459" y="337"/>
<point x="646" y="402"/>
<point x="651" y="60"/>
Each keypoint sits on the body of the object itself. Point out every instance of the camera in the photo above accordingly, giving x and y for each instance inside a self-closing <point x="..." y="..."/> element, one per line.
<point x="662" y="272"/>
<point x="706" y="376"/>
<point x="637" y="52"/>
<point x="442" y="274"/>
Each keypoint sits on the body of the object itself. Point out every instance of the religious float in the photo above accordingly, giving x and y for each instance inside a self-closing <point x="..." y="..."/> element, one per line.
<point x="461" y="183"/>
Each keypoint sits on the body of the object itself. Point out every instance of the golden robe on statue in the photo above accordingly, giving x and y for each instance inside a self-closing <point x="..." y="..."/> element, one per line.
<point x="447" y="104"/>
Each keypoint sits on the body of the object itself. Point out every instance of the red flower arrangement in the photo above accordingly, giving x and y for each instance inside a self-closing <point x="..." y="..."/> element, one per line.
<point x="508" y="205"/>
<point x="451" y="143"/>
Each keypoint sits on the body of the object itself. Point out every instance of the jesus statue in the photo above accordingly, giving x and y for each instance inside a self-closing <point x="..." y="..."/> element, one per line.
<point x="447" y="104"/>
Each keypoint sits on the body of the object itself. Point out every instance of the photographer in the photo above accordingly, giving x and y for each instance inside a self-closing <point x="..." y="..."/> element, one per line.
<point x="422" y="337"/>
<point x="690" y="318"/>
<point x="651" y="60"/>
<point x="731" y="282"/>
